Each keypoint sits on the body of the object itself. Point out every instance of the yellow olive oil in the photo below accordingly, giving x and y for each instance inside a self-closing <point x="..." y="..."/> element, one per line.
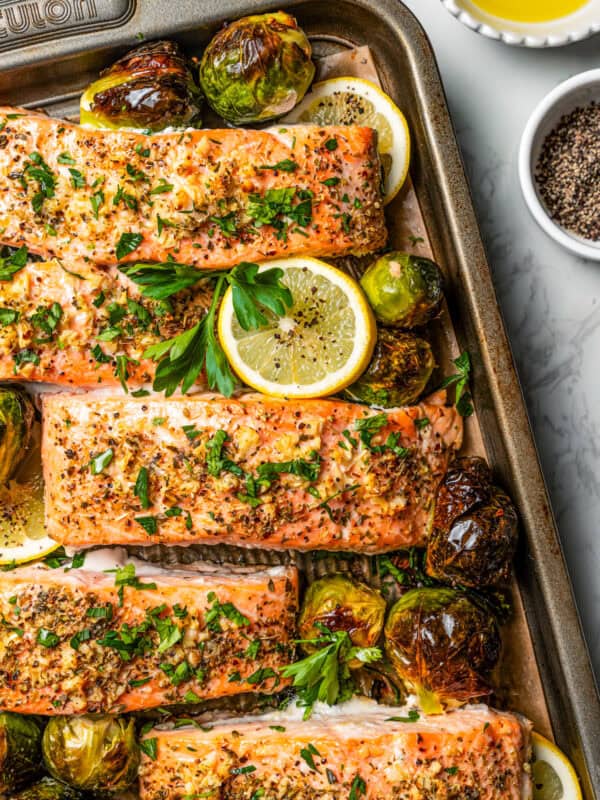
<point x="529" y="10"/>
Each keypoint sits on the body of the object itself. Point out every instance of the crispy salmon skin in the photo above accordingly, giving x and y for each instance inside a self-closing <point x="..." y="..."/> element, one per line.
<point x="250" y="471"/>
<point x="87" y="328"/>
<point x="210" y="198"/>
<point x="138" y="637"/>
<point x="357" y="750"/>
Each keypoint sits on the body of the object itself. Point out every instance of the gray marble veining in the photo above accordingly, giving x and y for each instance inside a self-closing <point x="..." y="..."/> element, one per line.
<point x="549" y="298"/>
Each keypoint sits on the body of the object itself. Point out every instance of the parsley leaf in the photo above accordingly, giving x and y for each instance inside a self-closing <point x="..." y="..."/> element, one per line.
<point x="253" y="289"/>
<point x="325" y="675"/>
<point x="128" y="242"/>
<point x="462" y="398"/>
<point x="13" y="262"/>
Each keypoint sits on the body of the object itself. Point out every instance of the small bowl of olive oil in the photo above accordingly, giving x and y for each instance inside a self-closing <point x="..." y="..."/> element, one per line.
<point x="529" y="23"/>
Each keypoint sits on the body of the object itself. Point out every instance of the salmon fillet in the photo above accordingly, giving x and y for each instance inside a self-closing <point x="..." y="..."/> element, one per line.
<point x="251" y="471"/>
<point x="211" y="198"/>
<point x="86" y="640"/>
<point x="352" y="751"/>
<point x="87" y="328"/>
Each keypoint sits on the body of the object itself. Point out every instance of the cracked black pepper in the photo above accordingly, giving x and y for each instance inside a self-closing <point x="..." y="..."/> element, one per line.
<point x="568" y="172"/>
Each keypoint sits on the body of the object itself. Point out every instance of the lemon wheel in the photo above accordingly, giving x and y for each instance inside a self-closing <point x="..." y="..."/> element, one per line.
<point x="22" y="534"/>
<point x="355" y="101"/>
<point x="322" y="344"/>
<point x="553" y="775"/>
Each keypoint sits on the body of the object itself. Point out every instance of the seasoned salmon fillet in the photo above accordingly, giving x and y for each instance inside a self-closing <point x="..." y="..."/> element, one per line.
<point x="86" y="328"/>
<point x="251" y="471"/>
<point x="87" y="640"/>
<point x="357" y="750"/>
<point x="211" y="198"/>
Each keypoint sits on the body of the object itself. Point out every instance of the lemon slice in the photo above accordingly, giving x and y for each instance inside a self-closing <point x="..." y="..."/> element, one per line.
<point x="355" y="101"/>
<point x="22" y="532"/>
<point x="553" y="775"/>
<point x="322" y="344"/>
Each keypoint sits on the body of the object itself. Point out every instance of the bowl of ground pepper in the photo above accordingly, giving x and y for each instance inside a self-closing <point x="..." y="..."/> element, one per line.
<point x="559" y="164"/>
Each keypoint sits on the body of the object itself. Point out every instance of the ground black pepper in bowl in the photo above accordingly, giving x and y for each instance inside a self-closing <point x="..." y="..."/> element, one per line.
<point x="568" y="172"/>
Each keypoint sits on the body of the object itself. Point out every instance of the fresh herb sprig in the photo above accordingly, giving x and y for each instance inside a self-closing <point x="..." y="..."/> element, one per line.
<point x="182" y="358"/>
<point x="12" y="262"/>
<point x="325" y="674"/>
<point x="460" y="379"/>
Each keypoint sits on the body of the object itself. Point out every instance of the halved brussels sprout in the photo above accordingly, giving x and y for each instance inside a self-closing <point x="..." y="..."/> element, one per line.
<point x="404" y="290"/>
<point x="16" y="424"/>
<point x="443" y="646"/>
<point x="149" y="88"/>
<point x="257" y="68"/>
<point x="474" y="535"/>
<point x="398" y="373"/>
<point x="20" y="756"/>
<point x="49" y="789"/>
<point x="92" y="753"/>
<point x="340" y="603"/>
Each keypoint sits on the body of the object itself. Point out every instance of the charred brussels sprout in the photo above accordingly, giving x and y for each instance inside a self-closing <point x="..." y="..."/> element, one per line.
<point x="474" y="534"/>
<point x="96" y="754"/>
<point x="340" y="603"/>
<point x="398" y="373"/>
<point x="20" y="757"/>
<point x="16" y="424"/>
<point x="404" y="290"/>
<point x="149" y="88"/>
<point x="49" y="789"/>
<point x="443" y="646"/>
<point x="257" y="68"/>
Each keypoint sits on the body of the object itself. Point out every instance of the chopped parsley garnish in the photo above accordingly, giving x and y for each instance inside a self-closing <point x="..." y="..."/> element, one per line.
<point x="150" y="747"/>
<point x="77" y="178"/>
<point x="287" y="165"/>
<point x="143" y="152"/>
<point x="100" y="612"/>
<point x="149" y="524"/>
<point x="358" y="788"/>
<point x="462" y="398"/>
<point x="26" y="356"/>
<point x="8" y="316"/>
<point x="134" y="174"/>
<point x="261" y="675"/>
<point x="99" y="355"/>
<point x="331" y="144"/>
<point x="191" y="697"/>
<point x="368" y="427"/>
<point x="333" y="181"/>
<point x="99" y="463"/>
<point x="218" y="610"/>
<point x="46" y="319"/>
<point x="243" y="770"/>
<point x="83" y="635"/>
<point x="141" y="487"/>
<point x="421" y="423"/>
<point x="37" y="170"/>
<point x="12" y="263"/>
<point x="128" y="199"/>
<point x="162" y="187"/>
<point x="325" y="675"/>
<point x="96" y="200"/>
<point x="162" y="223"/>
<point x="47" y="638"/>
<point x="412" y="716"/>
<point x="128" y="242"/>
<point x="65" y="158"/>
<point x="227" y="223"/>
<point x="308" y="754"/>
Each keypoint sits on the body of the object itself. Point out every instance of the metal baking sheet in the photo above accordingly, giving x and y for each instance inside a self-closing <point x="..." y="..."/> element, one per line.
<point x="45" y="60"/>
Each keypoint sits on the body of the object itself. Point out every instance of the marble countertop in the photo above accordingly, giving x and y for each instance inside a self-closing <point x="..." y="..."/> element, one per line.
<point x="549" y="298"/>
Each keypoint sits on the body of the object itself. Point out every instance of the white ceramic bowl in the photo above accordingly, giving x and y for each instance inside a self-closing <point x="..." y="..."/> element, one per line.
<point x="580" y="25"/>
<point x="580" y="90"/>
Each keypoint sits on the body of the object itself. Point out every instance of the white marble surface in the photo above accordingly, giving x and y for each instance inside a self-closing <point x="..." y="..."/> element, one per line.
<point x="548" y="297"/>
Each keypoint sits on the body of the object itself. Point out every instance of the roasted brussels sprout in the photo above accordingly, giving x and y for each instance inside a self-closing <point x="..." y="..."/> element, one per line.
<point x="49" y="789"/>
<point x="16" y="424"/>
<point x="340" y="603"/>
<point x="443" y="646"/>
<point x="404" y="290"/>
<point x="400" y="368"/>
<point x="257" y="68"/>
<point x="93" y="753"/>
<point x="149" y="88"/>
<point x="474" y="534"/>
<point x="20" y="757"/>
